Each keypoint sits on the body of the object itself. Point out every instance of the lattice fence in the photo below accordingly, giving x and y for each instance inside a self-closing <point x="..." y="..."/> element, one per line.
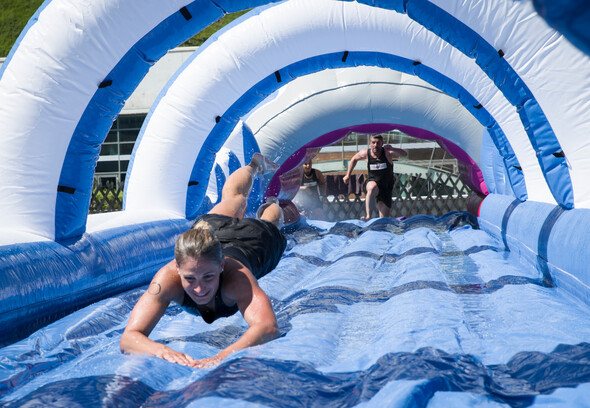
<point x="435" y="194"/>
<point x="106" y="198"/>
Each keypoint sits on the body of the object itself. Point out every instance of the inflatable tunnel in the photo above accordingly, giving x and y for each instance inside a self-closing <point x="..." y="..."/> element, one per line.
<point x="491" y="81"/>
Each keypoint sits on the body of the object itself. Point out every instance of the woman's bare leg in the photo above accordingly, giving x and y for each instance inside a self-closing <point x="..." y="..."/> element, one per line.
<point x="280" y="214"/>
<point x="272" y="213"/>
<point x="234" y="196"/>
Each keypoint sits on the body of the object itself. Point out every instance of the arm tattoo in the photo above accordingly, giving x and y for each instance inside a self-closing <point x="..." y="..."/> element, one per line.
<point x="154" y="288"/>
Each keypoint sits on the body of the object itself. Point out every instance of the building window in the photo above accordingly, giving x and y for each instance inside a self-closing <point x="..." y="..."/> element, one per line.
<point x="116" y="150"/>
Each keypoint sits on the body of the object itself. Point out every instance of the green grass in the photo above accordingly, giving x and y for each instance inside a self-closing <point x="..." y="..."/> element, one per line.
<point x="201" y="37"/>
<point x="14" y="15"/>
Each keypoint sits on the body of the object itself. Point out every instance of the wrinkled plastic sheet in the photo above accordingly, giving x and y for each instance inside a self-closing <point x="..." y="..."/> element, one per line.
<point x="423" y="312"/>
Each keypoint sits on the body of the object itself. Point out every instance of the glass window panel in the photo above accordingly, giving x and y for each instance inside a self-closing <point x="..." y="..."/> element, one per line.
<point x="130" y="121"/>
<point x="124" y="165"/>
<point x="128" y="135"/>
<point x="126" y="148"/>
<point x="107" y="166"/>
<point x="109" y="150"/>
<point x="114" y="126"/>
<point x="111" y="137"/>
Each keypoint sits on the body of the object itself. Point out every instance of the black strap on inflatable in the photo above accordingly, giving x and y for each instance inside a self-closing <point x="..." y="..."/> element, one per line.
<point x="478" y="106"/>
<point x="65" y="189"/>
<point x="278" y="76"/>
<point x="518" y="168"/>
<point x="185" y="13"/>
<point x="217" y="119"/>
<point x="192" y="183"/>
<point x="507" y="215"/>
<point x="345" y="56"/>
<point x="543" y="242"/>
<point x="416" y="63"/>
<point x="105" y="83"/>
<point x="501" y="53"/>
<point x="559" y="154"/>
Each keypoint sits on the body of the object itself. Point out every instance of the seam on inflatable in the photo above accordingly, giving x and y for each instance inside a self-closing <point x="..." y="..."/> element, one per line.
<point x="544" y="240"/>
<point x="515" y="203"/>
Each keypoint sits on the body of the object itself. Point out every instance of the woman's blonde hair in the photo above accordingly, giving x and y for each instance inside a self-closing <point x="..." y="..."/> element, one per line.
<point x="199" y="241"/>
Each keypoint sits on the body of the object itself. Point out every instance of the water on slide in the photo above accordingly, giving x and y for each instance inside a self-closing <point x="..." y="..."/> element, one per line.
<point x="430" y="311"/>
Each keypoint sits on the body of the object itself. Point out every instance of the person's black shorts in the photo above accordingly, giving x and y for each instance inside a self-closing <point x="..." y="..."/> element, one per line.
<point x="385" y="191"/>
<point x="258" y="244"/>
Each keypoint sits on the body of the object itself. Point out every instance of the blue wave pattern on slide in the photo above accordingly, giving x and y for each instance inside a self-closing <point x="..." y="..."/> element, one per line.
<point x="291" y="383"/>
<point x="430" y="263"/>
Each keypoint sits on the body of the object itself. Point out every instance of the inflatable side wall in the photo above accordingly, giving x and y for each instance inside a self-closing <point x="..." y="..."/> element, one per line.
<point x="42" y="281"/>
<point x="550" y="237"/>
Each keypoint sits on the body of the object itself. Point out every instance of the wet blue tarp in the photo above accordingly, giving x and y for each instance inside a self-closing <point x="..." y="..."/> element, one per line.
<point x="424" y="312"/>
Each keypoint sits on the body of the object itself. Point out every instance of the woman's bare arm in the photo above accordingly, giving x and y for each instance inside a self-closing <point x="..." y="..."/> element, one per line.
<point x="164" y="288"/>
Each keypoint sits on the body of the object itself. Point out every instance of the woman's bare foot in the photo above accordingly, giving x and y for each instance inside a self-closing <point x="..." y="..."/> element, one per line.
<point x="365" y="218"/>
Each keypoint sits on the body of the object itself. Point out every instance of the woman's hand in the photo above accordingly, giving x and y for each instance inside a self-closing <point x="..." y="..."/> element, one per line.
<point x="207" y="362"/>
<point x="166" y="353"/>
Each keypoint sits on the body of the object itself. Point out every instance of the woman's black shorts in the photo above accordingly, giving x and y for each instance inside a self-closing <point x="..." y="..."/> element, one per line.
<point x="258" y="244"/>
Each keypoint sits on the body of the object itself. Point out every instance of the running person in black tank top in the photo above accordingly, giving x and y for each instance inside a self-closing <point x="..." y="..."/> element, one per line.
<point x="214" y="274"/>
<point x="379" y="184"/>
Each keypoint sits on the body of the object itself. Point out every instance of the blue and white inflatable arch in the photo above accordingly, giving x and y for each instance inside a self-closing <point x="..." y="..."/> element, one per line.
<point x="309" y="111"/>
<point x="75" y="64"/>
<point x="295" y="52"/>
